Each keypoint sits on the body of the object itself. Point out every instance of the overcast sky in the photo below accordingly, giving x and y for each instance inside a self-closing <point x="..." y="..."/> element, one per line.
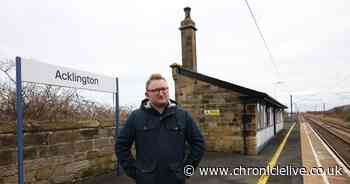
<point x="309" y="40"/>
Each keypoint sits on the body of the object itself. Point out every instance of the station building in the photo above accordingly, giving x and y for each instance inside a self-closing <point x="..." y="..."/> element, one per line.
<point x="232" y="118"/>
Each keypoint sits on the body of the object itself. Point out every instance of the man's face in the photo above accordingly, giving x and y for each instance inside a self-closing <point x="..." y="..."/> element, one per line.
<point x="158" y="93"/>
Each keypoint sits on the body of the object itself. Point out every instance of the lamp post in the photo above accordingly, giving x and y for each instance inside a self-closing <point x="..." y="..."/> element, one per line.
<point x="275" y="86"/>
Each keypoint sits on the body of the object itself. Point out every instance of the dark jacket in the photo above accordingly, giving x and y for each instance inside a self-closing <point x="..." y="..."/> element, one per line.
<point x="160" y="142"/>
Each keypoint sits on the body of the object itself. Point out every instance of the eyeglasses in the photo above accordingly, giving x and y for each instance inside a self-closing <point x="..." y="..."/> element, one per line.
<point x="158" y="90"/>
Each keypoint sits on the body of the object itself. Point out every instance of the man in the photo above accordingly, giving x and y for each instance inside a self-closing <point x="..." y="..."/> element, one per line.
<point x="160" y="130"/>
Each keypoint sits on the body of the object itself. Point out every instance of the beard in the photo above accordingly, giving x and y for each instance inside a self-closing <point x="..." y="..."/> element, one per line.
<point x="160" y="103"/>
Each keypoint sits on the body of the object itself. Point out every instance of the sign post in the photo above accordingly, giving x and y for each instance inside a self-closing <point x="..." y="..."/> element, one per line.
<point x="42" y="73"/>
<point x="19" y="114"/>
<point x="117" y="120"/>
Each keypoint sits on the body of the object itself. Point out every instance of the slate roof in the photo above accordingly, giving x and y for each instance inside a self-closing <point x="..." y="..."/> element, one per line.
<point x="248" y="94"/>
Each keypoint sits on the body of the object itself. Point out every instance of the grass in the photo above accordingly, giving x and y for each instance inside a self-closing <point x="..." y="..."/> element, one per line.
<point x="347" y="119"/>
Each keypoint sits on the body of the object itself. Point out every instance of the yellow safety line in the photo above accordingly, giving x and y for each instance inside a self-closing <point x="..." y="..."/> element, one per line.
<point x="263" y="179"/>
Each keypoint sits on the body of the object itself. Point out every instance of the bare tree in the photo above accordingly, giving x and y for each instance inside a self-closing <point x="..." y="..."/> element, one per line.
<point x="46" y="102"/>
<point x="6" y="65"/>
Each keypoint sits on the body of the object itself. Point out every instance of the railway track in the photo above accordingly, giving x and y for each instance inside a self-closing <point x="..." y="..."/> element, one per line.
<point x="337" y="130"/>
<point x="338" y="142"/>
<point x="338" y="126"/>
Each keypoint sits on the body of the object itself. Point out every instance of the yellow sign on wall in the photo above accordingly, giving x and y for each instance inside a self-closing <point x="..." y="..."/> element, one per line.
<point x="214" y="112"/>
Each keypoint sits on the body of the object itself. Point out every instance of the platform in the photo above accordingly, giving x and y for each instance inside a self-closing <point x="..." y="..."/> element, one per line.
<point x="232" y="160"/>
<point x="315" y="153"/>
<point x="301" y="148"/>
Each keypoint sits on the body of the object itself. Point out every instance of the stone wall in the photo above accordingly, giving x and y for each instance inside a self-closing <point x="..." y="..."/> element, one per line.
<point x="250" y="133"/>
<point x="58" y="152"/>
<point x="223" y="131"/>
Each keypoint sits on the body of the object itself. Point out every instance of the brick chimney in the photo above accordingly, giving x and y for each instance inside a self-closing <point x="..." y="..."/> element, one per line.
<point x="188" y="42"/>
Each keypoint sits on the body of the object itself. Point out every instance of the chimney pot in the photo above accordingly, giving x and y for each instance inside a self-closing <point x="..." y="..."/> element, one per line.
<point x="187" y="11"/>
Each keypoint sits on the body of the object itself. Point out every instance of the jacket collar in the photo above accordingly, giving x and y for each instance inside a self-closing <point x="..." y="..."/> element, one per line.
<point x="146" y="105"/>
